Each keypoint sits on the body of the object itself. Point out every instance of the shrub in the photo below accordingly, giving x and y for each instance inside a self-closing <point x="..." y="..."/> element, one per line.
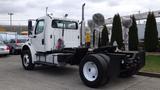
<point x="133" y="35"/>
<point x="117" y="31"/>
<point x="151" y="34"/>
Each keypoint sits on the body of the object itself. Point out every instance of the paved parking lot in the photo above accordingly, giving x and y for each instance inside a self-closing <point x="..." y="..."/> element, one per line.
<point x="14" y="77"/>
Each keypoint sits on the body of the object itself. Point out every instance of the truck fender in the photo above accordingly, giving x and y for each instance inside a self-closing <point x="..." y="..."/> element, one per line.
<point x="28" y="46"/>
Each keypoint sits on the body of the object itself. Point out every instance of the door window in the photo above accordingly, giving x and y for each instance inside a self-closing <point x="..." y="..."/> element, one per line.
<point x="12" y="41"/>
<point x="39" y="27"/>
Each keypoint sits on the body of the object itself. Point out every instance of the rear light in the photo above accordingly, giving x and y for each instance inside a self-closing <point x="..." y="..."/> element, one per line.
<point x="7" y="48"/>
<point x="17" y="41"/>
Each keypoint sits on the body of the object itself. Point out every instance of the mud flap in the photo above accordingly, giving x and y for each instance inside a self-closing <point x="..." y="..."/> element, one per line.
<point x="115" y="64"/>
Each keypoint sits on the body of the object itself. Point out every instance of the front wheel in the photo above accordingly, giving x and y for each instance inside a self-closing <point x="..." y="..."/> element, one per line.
<point x="27" y="60"/>
<point x="93" y="71"/>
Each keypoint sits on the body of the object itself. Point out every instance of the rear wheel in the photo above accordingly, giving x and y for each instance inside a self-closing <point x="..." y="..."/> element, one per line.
<point x="93" y="70"/>
<point x="27" y="60"/>
<point x="12" y="51"/>
<point x="107" y="60"/>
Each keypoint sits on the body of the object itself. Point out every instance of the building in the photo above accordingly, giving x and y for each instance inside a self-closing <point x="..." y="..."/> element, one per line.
<point x="141" y="30"/>
<point x="15" y="28"/>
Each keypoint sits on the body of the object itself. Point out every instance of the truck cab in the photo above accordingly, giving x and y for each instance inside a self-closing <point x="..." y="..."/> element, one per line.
<point x="52" y="33"/>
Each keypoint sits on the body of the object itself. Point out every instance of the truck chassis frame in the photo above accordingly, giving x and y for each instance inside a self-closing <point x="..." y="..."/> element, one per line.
<point x="96" y="66"/>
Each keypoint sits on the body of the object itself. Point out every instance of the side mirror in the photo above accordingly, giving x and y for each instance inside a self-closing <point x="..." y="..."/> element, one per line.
<point x="30" y="27"/>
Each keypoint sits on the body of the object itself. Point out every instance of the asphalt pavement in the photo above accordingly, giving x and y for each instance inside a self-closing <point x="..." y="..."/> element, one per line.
<point x="14" y="77"/>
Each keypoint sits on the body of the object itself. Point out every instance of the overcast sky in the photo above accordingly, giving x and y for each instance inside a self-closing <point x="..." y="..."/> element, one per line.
<point x="28" y="9"/>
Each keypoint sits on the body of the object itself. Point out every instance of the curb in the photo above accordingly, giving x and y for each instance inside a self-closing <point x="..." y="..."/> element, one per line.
<point x="149" y="74"/>
<point x="153" y="53"/>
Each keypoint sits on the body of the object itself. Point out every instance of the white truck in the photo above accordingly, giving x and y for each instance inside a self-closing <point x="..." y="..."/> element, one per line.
<point x="56" y="41"/>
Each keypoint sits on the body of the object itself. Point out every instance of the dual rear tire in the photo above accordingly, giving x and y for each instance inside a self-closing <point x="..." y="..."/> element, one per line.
<point x="93" y="70"/>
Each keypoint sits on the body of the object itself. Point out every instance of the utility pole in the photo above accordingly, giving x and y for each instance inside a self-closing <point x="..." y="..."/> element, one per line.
<point x="10" y="14"/>
<point x="139" y="12"/>
<point x="46" y="11"/>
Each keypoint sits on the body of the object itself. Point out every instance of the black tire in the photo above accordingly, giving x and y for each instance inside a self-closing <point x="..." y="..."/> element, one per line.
<point x="26" y="55"/>
<point x="107" y="59"/>
<point x="13" y="51"/>
<point x="101" y="65"/>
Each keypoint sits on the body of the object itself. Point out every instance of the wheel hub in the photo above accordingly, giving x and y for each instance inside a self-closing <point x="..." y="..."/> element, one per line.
<point x="26" y="60"/>
<point x="90" y="71"/>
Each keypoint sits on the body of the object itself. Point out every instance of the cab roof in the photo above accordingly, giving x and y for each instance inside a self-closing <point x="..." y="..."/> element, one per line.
<point x="67" y="19"/>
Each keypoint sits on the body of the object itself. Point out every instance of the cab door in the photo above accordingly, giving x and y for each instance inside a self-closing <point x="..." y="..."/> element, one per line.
<point x="38" y="38"/>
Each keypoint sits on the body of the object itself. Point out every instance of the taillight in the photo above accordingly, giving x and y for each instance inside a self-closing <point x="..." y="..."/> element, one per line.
<point x="17" y="41"/>
<point x="7" y="48"/>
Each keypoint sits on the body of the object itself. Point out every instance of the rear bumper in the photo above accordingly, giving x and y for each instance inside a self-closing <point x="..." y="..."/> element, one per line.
<point x="4" y="52"/>
<point x="18" y="48"/>
<point x="133" y="61"/>
<point x="125" y="61"/>
<point x="17" y="51"/>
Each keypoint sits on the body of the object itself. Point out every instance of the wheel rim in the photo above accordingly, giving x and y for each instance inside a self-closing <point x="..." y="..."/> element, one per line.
<point x="90" y="71"/>
<point x="26" y="60"/>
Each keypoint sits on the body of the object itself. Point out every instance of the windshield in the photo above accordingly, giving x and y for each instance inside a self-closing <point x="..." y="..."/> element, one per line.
<point x="18" y="41"/>
<point x="22" y="40"/>
<point x="64" y="24"/>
